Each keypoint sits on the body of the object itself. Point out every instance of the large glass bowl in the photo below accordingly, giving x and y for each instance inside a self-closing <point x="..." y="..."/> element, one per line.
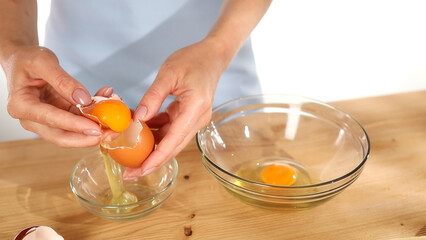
<point x="89" y="183"/>
<point x="324" y="145"/>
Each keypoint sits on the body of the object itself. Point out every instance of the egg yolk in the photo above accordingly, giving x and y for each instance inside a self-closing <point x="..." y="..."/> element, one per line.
<point x="278" y="174"/>
<point x="114" y="114"/>
<point x="134" y="157"/>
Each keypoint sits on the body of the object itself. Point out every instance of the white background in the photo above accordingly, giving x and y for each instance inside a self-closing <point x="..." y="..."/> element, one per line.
<point x="329" y="50"/>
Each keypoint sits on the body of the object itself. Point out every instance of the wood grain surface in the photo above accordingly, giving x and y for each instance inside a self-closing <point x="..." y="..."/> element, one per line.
<point x="387" y="201"/>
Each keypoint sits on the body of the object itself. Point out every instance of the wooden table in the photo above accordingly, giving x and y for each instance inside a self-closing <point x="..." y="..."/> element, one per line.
<point x="387" y="201"/>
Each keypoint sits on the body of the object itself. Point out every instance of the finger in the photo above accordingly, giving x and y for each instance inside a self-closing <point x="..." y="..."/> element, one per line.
<point x="165" y="130"/>
<point x="159" y="156"/>
<point x="154" y="97"/>
<point x="177" y="137"/>
<point x="109" y="135"/>
<point x="158" y="121"/>
<point x="50" y="116"/>
<point x="160" y="124"/>
<point x="189" y="117"/>
<point x="45" y="65"/>
<point x="160" y="133"/>
<point x="105" y="92"/>
<point x="61" y="137"/>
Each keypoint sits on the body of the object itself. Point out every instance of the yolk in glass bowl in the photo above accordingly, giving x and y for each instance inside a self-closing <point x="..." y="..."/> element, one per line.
<point x="279" y="174"/>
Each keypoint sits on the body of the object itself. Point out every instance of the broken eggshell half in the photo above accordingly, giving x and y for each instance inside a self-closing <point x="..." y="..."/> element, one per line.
<point x="109" y="112"/>
<point x="38" y="233"/>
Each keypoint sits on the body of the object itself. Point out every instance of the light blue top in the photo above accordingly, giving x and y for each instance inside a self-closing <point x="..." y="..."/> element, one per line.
<point x="122" y="43"/>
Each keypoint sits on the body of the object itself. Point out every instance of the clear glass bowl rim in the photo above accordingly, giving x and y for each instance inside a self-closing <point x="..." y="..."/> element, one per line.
<point x="307" y="99"/>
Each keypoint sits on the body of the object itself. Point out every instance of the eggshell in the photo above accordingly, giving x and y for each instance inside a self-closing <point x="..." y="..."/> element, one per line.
<point x="38" y="233"/>
<point x="133" y="145"/>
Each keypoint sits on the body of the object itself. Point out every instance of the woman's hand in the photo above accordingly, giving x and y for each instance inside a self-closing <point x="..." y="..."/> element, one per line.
<point x="43" y="97"/>
<point x="191" y="75"/>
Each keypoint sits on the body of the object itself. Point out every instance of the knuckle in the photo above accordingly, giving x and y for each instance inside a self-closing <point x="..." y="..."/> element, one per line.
<point x="62" y="82"/>
<point x="11" y="109"/>
<point x="203" y="104"/>
<point x="48" y="119"/>
<point x="14" y="108"/>
<point x="153" y="93"/>
<point x="171" y="71"/>
<point x="61" y="142"/>
<point x="162" y="153"/>
<point x="180" y="135"/>
<point x="25" y="125"/>
<point x="168" y="68"/>
<point x="206" y="118"/>
<point x="40" y="56"/>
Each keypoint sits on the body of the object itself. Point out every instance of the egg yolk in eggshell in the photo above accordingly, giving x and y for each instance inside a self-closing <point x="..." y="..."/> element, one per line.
<point x="133" y="157"/>
<point x="113" y="113"/>
<point x="278" y="174"/>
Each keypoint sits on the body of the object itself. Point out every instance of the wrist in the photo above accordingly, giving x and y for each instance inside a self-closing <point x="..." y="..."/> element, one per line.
<point x="224" y="48"/>
<point x="18" y="26"/>
<point x="9" y="47"/>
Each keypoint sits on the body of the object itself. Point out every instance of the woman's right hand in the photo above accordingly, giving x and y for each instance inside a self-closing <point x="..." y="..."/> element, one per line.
<point x="44" y="97"/>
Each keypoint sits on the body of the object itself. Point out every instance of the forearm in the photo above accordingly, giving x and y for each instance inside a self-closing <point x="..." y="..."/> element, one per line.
<point x="18" y="25"/>
<point x="236" y="21"/>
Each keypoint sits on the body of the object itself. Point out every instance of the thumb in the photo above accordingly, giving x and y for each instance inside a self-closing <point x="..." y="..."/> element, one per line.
<point x="45" y="65"/>
<point x="154" y="97"/>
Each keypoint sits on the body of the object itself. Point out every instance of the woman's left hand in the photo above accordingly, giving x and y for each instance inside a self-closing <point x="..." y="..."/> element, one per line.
<point x="191" y="75"/>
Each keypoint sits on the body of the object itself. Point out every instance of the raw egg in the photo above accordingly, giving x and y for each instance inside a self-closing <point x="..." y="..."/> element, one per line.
<point x="111" y="113"/>
<point x="279" y="174"/>
<point x="135" y="140"/>
<point x="114" y="114"/>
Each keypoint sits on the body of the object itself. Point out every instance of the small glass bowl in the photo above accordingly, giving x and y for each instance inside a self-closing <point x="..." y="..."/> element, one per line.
<point x="89" y="183"/>
<point x="326" y="146"/>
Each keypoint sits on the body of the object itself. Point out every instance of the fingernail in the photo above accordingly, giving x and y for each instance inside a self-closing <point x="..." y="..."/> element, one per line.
<point x="82" y="97"/>
<point x="133" y="173"/>
<point x="90" y="132"/>
<point x="146" y="172"/>
<point x="140" y="112"/>
<point x="129" y="178"/>
<point x="109" y="136"/>
<point x="108" y="92"/>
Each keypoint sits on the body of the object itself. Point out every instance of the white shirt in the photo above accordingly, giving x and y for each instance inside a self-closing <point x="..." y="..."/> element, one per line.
<point x="122" y="43"/>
